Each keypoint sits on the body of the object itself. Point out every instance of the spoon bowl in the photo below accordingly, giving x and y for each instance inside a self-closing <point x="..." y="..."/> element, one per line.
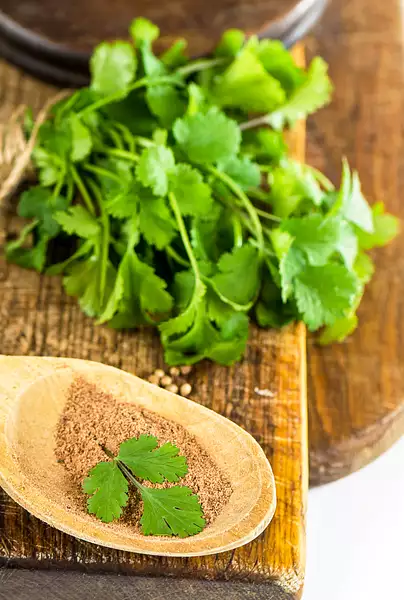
<point x="33" y="392"/>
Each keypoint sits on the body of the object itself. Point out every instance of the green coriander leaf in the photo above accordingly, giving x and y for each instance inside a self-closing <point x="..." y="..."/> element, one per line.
<point x="39" y="202"/>
<point x="171" y="511"/>
<point x="313" y="93"/>
<point x="264" y="144"/>
<point x="147" y="461"/>
<point x="243" y="171"/>
<point x="364" y="267"/>
<point x="166" y="103"/>
<point x="245" y="84"/>
<point x="350" y="202"/>
<point x="156" y="222"/>
<point x="81" y="139"/>
<point x="33" y="257"/>
<point x="232" y="340"/>
<point x="339" y="330"/>
<point x="208" y="138"/>
<point x="347" y="244"/>
<point x="153" y="168"/>
<point x="291" y="264"/>
<point x="386" y="228"/>
<point x="315" y="235"/>
<point x="84" y="282"/>
<point x="270" y="310"/>
<point x="191" y="192"/>
<point x="291" y="184"/>
<point x="138" y="295"/>
<point x="238" y="278"/>
<point x="175" y="56"/>
<point x="279" y="63"/>
<point x="113" y="67"/>
<point x="76" y="220"/>
<point x="143" y="30"/>
<point x="108" y="489"/>
<point x="179" y="324"/>
<point x="324" y="294"/>
<point x="231" y="43"/>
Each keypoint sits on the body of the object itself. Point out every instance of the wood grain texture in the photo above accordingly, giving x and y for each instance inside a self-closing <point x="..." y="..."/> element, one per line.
<point x="36" y="318"/>
<point x="356" y="390"/>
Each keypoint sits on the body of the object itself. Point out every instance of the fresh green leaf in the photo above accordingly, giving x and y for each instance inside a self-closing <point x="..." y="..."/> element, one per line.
<point x="231" y="43"/>
<point x="108" y="489"/>
<point x="147" y="461"/>
<point x="350" y="202"/>
<point x="138" y="295"/>
<point x="113" y="67"/>
<point x="78" y="221"/>
<point x="313" y="93"/>
<point x="38" y="202"/>
<point x="191" y="192"/>
<point x="238" y="278"/>
<point x="347" y="244"/>
<point x="81" y="139"/>
<point x="291" y="185"/>
<point x="243" y="171"/>
<point x="156" y="222"/>
<point x="324" y="294"/>
<point x="166" y="103"/>
<point x="208" y="138"/>
<point x="245" y="84"/>
<point x="153" y="169"/>
<point x="171" y="511"/>
<point x="83" y="281"/>
<point x="339" y="330"/>
<point x="315" y="236"/>
<point x="385" y="228"/>
<point x="279" y="63"/>
<point x="143" y="30"/>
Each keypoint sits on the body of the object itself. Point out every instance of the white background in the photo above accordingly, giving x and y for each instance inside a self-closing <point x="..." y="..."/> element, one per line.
<point x="355" y="534"/>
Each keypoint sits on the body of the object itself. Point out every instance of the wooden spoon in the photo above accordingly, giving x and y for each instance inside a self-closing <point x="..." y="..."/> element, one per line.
<point x="33" y="393"/>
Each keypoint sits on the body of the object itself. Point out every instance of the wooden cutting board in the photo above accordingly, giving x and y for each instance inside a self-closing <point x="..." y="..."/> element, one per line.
<point x="37" y="318"/>
<point x="356" y="389"/>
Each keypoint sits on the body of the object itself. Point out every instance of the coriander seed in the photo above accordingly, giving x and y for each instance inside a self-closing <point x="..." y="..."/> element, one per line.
<point x="185" y="389"/>
<point x="172" y="388"/>
<point x="185" y="369"/>
<point x="159" y="373"/>
<point x="174" y="371"/>
<point x="154" y="379"/>
<point x="166" y="380"/>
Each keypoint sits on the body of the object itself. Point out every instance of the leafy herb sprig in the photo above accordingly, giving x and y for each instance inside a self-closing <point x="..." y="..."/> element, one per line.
<point x="167" y="190"/>
<point x="166" y="511"/>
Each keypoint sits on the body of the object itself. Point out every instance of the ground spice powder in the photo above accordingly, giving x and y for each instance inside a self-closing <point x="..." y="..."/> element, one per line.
<point x="92" y="417"/>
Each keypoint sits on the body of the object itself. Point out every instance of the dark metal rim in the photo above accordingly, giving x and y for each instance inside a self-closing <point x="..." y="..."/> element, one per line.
<point x="58" y="64"/>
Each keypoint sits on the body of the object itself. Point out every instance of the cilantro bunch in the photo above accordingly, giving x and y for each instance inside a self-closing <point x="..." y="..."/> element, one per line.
<point x="166" y="511"/>
<point x="167" y="198"/>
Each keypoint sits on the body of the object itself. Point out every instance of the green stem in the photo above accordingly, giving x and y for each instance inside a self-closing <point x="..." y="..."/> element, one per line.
<point x="103" y="172"/>
<point x="122" y="154"/>
<point x="106" y="234"/>
<point x="128" y="474"/>
<point x="144" y="142"/>
<point x="258" y="122"/>
<point x="116" y="138"/>
<point x="266" y="215"/>
<point x="249" y="207"/>
<point x="200" y="65"/>
<point x="144" y="82"/>
<point x="184" y="235"/>
<point x="237" y="232"/>
<point x="127" y="136"/>
<point x="177" y="257"/>
<point x="83" y="191"/>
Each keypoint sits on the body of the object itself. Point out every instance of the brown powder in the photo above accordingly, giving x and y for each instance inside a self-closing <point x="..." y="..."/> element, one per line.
<point x="93" y="417"/>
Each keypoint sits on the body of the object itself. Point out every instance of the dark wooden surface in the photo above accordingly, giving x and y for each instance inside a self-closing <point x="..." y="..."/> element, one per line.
<point x="37" y="318"/>
<point x="356" y="389"/>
